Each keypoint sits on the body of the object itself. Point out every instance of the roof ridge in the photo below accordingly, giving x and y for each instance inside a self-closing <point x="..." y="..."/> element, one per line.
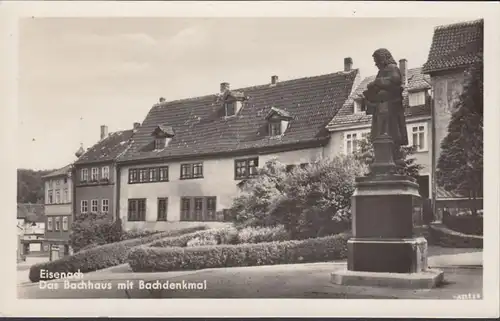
<point x="463" y="23"/>
<point x="165" y="103"/>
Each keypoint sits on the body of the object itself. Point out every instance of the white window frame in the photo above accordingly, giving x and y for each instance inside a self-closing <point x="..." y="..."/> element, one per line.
<point x="92" y="202"/>
<point x="424" y="131"/>
<point x="65" y="226"/>
<point x="49" y="224"/>
<point x="66" y="195"/>
<point x="58" y="196"/>
<point x="105" y="205"/>
<point x="84" y="174"/>
<point x="94" y="173"/>
<point x="416" y="98"/>
<point x="359" y="136"/>
<point x="84" y="206"/>
<point x="105" y="172"/>
<point x="357" y="106"/>
<point x="57" y="227"/>
<point x="50" y="196"/>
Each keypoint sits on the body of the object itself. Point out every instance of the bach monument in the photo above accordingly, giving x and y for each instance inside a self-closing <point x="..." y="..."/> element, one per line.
<point x="383" y="250"/>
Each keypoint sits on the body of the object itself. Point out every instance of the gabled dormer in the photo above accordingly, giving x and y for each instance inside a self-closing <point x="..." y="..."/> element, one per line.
<point x="278" y="121"/>
<point x="162" y="134"/>
<point x="232" y="101"/>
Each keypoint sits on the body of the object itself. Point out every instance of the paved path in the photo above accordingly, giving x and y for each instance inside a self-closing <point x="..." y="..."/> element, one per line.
<point x="463" y="274"/>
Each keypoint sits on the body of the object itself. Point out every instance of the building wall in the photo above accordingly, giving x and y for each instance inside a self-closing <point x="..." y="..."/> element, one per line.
<point x="89" y="167"/>
<point x="218" y="180"/>
<point x="337" y="141"/>
<point x="58" y="184"/>
<point x="98" y="192"/>
<point x="61" y="234"/>
<point x="60" y="210"/>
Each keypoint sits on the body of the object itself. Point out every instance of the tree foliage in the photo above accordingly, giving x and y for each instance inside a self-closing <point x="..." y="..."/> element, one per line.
<point x="309" y="202"/>
<point x="411" y="168"/>
<point x="94" y="229"/>
<point x="460" y="164"/>
<point x="30" y="185"/>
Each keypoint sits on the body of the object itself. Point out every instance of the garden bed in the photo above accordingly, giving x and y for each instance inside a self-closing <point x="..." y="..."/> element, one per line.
<point x="101" y="257"/>
<point x="445" y="237"/>
<point x="260" y="247"/>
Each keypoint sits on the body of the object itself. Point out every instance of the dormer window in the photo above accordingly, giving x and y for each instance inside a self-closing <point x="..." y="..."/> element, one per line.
<point x="359" y="106"/>
<point x="230" y="108"/>
<point x="163" y="134"/>
<point x="278" y="121"/>
<point x="416" y="98"/>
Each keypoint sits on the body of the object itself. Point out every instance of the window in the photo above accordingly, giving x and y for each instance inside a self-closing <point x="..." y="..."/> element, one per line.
<point x="418" y="136"/>
<point x="163" y="174"/>
<point x="84" y="174"/>
<point x="94" y="206"/>
<point x="95" y="174"/>
<point x="58" y="224"/>
<point x="198" y="208"/>
<point x="50" y="198"/>
<point x="84" y="206"/>
<point x="416" y="98"/>
<point x="105" y="205"/>
<point x="136" y="209"/>
<point x="230" y="109"/>
<point x="275" y="128"/>
<point x="51" y="184"/>
<point x="189" y="171"/>
<point x="58" y="196"/>
<point x="162" y="209"/>
<point x="58" y="182"/>
<point x="245" y="168"/>
<point x="66" y="196"/>
<point x="105" y="173"/>
<point x="359" y="107"/>
<point x="185" y="209"/>
<point x="160" y="143"/>
<point x="65" y="223"/>
<point x="351" y="140"/>
<point x="146" y="175"/>
<point x="49" y="224"/>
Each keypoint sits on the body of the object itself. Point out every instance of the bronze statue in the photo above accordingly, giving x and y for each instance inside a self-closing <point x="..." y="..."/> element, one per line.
<point x="384" y="100"/>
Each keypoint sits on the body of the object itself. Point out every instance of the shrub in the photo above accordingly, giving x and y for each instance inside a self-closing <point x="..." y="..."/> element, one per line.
<point x="262" y="234"/>
<point x="94" y="229"/>
<point x="467" y="224"/>
<point x="132" y="234"/>
<point x="101" y="257"/>
<point x="227" y="235"/>
<point x="443" y="236"/>
<point x="310" y="202"/>
<point x="200" y="241"/>
<point x="151" y="259"/>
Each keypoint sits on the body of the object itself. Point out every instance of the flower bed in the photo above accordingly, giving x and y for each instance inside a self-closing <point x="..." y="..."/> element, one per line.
<point x="103" y="256"/>
<point x="173" y="258"/>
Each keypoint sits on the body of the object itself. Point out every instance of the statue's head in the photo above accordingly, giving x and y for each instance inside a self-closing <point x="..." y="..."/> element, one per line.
<point x="382" y="58"/>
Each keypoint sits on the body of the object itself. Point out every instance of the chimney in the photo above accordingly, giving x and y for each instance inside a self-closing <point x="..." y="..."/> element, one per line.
<point x="348" y="64"/>
<point x="403" y="67"/>
<point x="136" y="125"/>
<point x="104" y="131"/>
<point x="224" y="86"/>
<point x="274" y="80"/>
<point x="161" y="99"/>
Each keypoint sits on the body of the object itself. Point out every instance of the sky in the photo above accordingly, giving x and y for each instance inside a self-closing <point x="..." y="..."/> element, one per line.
<point x="76" y="74"/>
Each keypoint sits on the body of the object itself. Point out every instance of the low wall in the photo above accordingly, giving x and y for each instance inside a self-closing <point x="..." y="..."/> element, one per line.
<point x="466" y="224"/>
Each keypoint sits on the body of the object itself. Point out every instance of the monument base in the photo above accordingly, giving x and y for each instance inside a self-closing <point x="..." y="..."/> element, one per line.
<point x="427" y="279"/>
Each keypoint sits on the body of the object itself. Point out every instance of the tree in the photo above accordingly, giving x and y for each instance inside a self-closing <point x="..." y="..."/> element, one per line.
<point x="365" y="154"/>
<point x="93" y="229"/>
<point x="460" y="164"/>
<point x="30" y="187"/>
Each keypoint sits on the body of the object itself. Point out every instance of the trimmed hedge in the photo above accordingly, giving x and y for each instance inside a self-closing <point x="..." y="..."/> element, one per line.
<point x="153" y="259"/>
<point x="226" y="235"/>
<point x="467" y="224"/>
<point x="101" y="257"/>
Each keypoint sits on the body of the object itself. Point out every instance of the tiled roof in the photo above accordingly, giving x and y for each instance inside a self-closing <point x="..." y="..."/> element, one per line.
<point x="455" y="45"/>
<point x="346" y="116"/>
<point x="107" y="149"/>
<point x="201" y="128"/>
<point x="59" y="172"/>
<point x="31" y="212"/>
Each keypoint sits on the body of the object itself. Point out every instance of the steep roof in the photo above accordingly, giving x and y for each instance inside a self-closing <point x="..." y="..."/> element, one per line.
<point x="455" y="46"/>
<point x="31" y="212"/>
<point x="201" y="128"/>
<point x="346" y="116"/>
<point x="107" y="149"/>
<point x="59" y="172"/>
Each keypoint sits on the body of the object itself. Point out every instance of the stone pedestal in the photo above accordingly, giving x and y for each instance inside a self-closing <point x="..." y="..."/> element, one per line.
<point x="383" y="251"/>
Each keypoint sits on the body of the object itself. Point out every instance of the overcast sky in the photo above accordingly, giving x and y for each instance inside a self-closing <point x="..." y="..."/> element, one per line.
<point x="79" y="73"/>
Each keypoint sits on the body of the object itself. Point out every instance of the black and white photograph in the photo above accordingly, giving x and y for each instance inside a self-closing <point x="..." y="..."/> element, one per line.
<point x="254" y="157"/>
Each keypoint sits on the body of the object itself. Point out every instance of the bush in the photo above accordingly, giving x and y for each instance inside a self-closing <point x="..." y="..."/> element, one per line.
<point x="227" y="235"/>
<point x="442" y="236"/>
<point x="101" y="257"/>
<point x="263" y="234"/>
<point x="152" y="259"/>
<point x="94" y="229"/>
<point x="467" y="224"/>
<point x="133" y="234"/>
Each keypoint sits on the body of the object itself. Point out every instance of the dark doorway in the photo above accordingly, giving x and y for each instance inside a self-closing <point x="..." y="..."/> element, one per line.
<point x="423" y="189"/>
